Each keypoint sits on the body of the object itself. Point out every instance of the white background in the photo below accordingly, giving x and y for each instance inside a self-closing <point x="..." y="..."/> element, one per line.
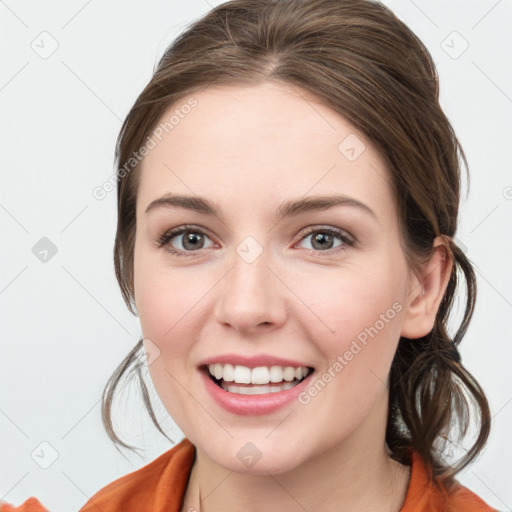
<point x="64" y="325"/>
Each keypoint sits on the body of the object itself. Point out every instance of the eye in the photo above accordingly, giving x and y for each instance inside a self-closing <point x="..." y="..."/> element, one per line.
<point x="192" y="241"/>
<point x="324" y="238"/>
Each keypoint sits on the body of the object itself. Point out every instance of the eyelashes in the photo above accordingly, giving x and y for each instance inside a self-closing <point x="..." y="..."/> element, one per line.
<point x="346" y="239"/>
<point x="163" y="241"/>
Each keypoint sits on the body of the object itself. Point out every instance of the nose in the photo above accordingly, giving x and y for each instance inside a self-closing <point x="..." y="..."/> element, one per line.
<point x="251" y="297"/>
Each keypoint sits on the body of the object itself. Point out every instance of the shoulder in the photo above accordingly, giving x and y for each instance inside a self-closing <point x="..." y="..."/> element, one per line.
<point x="159" y="485"/>
<point x="426" y="495"/>
<point x="463" y="499"/>
<point x="31" y="504"/>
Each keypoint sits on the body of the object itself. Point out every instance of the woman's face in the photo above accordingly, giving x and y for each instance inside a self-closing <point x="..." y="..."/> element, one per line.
<point x="260" y="283"/>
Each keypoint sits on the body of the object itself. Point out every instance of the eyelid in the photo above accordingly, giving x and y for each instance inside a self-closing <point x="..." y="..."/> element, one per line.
<point x="164" y="239"/>
<point x="339" y="232"/>
<point x="347" y="239"/>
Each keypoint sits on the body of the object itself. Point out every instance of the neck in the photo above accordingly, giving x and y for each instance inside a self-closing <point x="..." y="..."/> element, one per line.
<point x="354" y="474"/>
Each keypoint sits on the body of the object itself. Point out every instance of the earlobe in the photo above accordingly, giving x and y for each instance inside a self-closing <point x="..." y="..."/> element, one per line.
<point x="426" y="292"/>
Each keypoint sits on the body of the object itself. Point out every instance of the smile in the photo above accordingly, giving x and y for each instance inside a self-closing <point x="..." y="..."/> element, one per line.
<point x="243" y="380"/>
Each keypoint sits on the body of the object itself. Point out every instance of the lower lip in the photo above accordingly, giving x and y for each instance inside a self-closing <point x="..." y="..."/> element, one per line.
<point x="253" y="405"/>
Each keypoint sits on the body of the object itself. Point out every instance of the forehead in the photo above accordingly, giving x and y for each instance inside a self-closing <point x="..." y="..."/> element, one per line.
<point x="254" y="145"/>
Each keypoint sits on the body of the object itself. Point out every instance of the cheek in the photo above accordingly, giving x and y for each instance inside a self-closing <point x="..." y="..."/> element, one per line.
<point x="363" y="312"/>
<point x="162" y="297"/>
<point x="167" y="305"/>
<point x="349" y="304"/>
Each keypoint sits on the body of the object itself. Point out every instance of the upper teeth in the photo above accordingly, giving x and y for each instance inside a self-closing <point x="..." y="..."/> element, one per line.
<point x="259" y="375"/>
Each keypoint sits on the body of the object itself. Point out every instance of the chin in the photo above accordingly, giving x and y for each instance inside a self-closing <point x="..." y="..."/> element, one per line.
<point x="257" y="457"/>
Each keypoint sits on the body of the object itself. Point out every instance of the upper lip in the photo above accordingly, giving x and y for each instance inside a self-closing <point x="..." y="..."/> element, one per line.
<point x="252" y="361"/>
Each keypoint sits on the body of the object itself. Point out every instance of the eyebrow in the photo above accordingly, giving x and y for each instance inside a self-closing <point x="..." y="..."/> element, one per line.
<point x="289" y="208"/>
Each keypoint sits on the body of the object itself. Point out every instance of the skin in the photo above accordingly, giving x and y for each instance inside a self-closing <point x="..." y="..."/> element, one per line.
<point x="249" y="148"/>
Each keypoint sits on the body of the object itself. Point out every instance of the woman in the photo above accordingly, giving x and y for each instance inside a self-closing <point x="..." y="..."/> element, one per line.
<point x="288" y="195"/>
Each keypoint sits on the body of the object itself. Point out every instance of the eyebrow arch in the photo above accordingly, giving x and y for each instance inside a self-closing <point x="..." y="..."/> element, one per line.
<point x="290" y="208"/>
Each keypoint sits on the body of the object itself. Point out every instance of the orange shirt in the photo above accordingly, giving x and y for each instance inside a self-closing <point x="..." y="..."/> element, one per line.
<point x="160" y="487"/>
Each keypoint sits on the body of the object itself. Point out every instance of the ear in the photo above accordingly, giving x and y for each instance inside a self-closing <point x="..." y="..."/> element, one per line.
<point x="426" y="291"/>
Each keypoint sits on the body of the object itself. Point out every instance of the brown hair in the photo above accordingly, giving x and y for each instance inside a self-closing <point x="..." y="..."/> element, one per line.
<point x="363" y="62"/>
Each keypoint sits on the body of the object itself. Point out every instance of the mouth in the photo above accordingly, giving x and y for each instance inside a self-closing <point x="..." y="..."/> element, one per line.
<point x="259" y="380"/>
